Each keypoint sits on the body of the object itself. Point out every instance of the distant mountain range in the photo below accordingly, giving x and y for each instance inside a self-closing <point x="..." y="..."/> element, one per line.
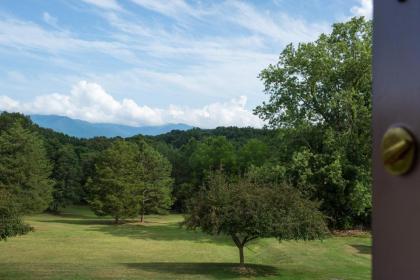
<point x="84" y="129"/>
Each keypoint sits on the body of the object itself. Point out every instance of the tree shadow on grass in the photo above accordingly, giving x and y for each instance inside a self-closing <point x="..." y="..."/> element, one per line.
<point x="82" y="221"/>
<point x="70" y="215"/>
<point x="166" y="232"/>
<point x="217" y="270"/>
<point x="362" y="249"/>
<point x="151" y="231"/>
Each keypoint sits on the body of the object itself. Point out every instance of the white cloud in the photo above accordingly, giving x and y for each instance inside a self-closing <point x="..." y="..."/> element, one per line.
<point x="173" y="8"/>
<point x="232" y="113"/>
<point x="90" y="102"/>
<point x="49" y="19"/>
<point x="8" y="104"/>
<point x="27" y="36"/>
<point x="364" y="8"/>
<point x="211" y="51"/>
<point x="217" y="80"/>
<point x="248" y="17"/>
<point x="277" y="26"/>
<point x="105" y="4"/>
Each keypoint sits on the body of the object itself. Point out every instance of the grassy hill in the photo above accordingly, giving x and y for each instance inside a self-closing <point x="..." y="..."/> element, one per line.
<point x="79" y="245"/>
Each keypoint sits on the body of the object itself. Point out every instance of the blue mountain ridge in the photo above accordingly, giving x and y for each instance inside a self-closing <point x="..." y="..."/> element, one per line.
<point x="84" y="129"/>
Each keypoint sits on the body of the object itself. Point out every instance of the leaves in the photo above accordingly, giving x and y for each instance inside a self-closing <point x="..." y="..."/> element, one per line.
<point x="320" y="98"/>
<point x="249" y="209"/>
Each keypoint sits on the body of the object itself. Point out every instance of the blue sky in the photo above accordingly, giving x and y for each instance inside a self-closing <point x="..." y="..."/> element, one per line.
<point x="149" y="62"/>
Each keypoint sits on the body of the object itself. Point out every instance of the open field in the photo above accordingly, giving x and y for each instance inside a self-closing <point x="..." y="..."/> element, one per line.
<point x="79" y="245"/>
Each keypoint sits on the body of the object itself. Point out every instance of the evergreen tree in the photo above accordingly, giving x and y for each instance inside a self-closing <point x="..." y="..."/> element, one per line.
<point x="116" y="186"/>
<point x="67" y="176"/>
<point x="24" y="169"/>
<point x="156" y="191"/>
<point x="10" y="218"/>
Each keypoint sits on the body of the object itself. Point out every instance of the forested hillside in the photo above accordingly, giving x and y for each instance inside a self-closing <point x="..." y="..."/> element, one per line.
<point x="269" y="154"/>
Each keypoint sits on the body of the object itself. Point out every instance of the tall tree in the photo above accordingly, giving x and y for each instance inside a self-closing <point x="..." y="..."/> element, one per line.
<point x="321" y="93"/>
<point x="246" y="210"/>
<point x="67" y="176"/>
<point x="24" y="169"/>
<point x="115" y="187"/>
<point x="157" y="181"/>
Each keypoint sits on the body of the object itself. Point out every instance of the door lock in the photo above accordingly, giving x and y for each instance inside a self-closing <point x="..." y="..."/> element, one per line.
<point x="398" y="150"/>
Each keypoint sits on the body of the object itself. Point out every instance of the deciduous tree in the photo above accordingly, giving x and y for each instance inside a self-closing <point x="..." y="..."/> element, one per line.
<point x="246" y="210"/>
<point x="211" y="154"/>
<point x="320" y="92"/>
<point x="254" y="152"/>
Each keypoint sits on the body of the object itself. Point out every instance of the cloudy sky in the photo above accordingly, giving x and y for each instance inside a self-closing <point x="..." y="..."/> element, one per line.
<point x="149" y="62"/>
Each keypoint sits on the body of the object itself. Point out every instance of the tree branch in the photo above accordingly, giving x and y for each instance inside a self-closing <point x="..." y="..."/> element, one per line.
<point x="236" y="240"/>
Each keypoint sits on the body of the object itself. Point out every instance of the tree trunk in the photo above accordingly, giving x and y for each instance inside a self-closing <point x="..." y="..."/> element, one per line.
<point x="241" y="256"/>
<point x="117" y="220"/>
<point x="142" y="209"/>
<point x="240" y="244"/>
<point x="55" y="208"/>
<point x="143" y="202"/>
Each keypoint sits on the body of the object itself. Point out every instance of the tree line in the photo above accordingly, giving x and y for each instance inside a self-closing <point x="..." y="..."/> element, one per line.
<point x="308" y="168"/>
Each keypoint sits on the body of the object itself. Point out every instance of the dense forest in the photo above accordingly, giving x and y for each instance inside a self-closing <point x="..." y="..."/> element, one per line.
<point x="316" y="146"/>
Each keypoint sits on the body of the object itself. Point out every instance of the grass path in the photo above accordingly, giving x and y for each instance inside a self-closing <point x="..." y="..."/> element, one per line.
<point x="79" y="245"/>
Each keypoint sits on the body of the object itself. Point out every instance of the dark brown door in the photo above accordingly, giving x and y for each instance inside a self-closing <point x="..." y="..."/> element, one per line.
<point x="396" y="101"/>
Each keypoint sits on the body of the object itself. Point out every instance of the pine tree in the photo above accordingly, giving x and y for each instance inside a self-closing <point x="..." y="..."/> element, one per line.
<point x="24" y="169"/>
<point x="67" y="176"/>
<point x="156" y="191"/>
<point x="116" y="187"/>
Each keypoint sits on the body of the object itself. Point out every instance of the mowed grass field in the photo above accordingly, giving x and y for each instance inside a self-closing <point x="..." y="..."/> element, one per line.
<point x="79" y="245"/>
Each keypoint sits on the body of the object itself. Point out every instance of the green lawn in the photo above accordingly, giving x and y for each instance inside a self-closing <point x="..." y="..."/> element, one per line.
<point x="79" y="245"/>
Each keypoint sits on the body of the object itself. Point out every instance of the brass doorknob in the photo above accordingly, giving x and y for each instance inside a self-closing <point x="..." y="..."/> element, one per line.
<point x="398" y="150"/>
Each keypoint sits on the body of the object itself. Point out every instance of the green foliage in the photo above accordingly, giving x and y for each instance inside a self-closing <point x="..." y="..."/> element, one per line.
<point x="24" y="168"/>
<point x="213" y="153"/>
<point x="327" y="81"/>
<point x="237" y="136"/>
<point x="267" y="173"/>
<point x="248" y="209"/>
<point x="130" y="178"/>
<point x="156" y="188"/>
<point x="67" y="176"/>
<point x="10" y="219"/>
<point x="320" y="93"/>
<point x="254" y="152"/>
<point x="116" y="187"/>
